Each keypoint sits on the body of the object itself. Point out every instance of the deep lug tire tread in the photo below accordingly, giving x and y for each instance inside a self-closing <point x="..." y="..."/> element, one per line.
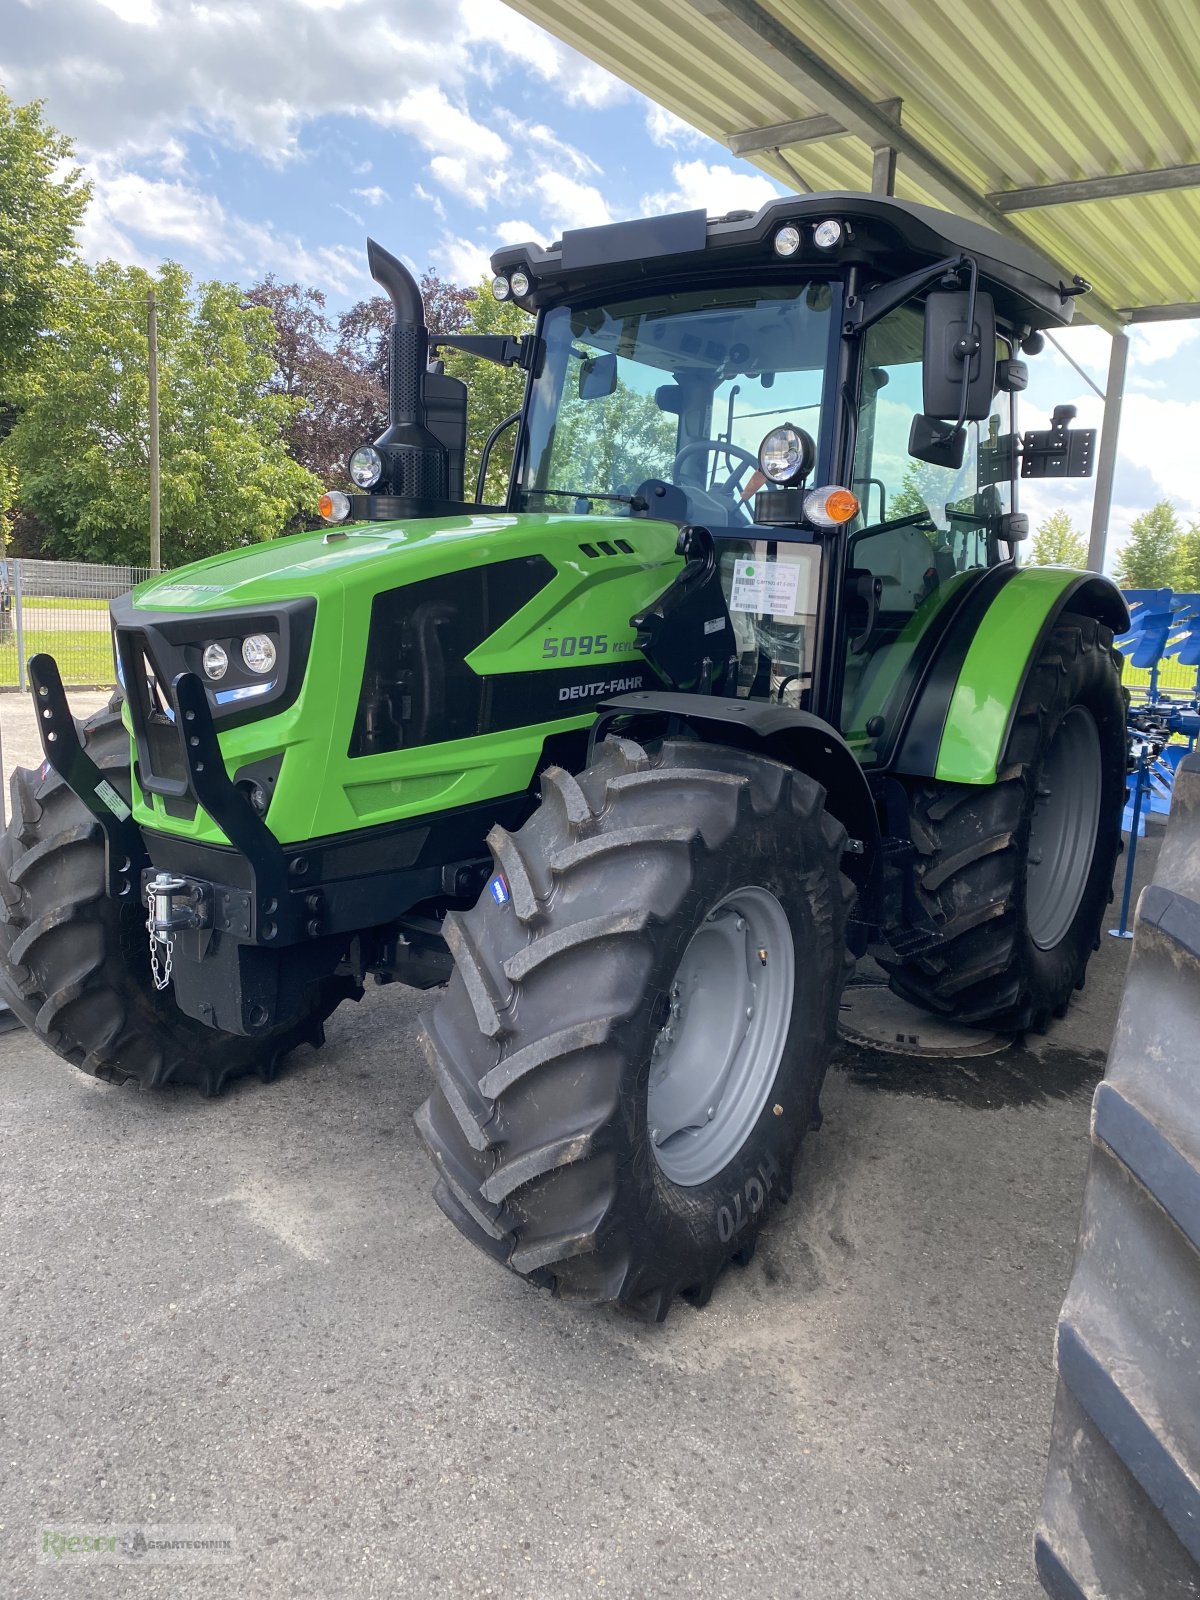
<point x="74" y="964"/>
<point x="971" y="843"/>
<point x="533" y="1124"/>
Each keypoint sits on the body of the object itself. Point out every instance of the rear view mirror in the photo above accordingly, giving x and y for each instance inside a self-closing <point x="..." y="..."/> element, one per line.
<point x="939" y="443"/>
<point x="597" y="377"/>
<point x="952" y="350"/>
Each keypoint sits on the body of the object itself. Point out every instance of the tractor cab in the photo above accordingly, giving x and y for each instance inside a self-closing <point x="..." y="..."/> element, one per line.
<point x="821" y="396"/>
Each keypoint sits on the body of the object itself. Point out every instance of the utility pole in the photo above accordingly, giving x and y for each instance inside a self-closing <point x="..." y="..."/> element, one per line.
<point x="155" y="483"/>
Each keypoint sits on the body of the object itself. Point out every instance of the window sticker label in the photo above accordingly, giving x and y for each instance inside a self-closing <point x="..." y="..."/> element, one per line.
<point x="770" y="586"/>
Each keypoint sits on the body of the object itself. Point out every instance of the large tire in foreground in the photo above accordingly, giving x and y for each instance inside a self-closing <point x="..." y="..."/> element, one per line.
<point x="1121" y="1512"/>
<point x="75" y="965"/>
<point x="1017" y="875"/>
<point x="657" y="900"/>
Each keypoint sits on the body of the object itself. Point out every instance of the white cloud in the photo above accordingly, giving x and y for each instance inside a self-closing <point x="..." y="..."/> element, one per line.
<point x="578" y="80"/>
<point x="374" y="195"/>
<point x="665" y="128"/>
<point x="434" y="200"/>
<point x="139" y="220"/>
<point x="516" y="232"/>
<point x="462" y="260"/>
<point x="713" y="188"/>
<point x="1159" y="341"/>
<point x="569" y="203"/>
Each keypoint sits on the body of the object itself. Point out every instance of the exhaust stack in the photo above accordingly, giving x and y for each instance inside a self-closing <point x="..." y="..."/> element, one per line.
<point x="416" y="463"/>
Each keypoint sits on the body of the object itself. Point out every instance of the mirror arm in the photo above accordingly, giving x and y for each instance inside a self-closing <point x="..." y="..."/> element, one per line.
<point x="501" y="348"/>
<point x="863" y="311"/>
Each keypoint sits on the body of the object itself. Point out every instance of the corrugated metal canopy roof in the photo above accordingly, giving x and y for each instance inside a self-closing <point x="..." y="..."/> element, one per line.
<point x="995" y="100"/>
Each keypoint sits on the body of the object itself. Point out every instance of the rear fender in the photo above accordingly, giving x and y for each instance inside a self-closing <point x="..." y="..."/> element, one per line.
<point x="957" y="731"/>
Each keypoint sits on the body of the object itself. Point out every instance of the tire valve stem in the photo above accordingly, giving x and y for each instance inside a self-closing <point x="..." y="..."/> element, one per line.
<point x="778" y="1110"/>
<point x="711" y="1112"/>
<point x="762" y="958"/>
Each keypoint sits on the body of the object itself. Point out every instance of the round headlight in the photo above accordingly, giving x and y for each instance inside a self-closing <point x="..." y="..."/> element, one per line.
<point x="787" y="240"/>
<point x="830" y="506"/>
<point x="258" y="652"/>
<point x="366" y="464"/>
<point x="786" y="454"/>
<point x="826" y="234"/>
<point x="215" y="661"/>
<point x="500" y="287"/>
<point x="520" y="283"/>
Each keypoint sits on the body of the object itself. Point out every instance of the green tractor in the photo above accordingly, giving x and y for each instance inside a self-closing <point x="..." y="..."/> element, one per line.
<point x="742" y="682"/>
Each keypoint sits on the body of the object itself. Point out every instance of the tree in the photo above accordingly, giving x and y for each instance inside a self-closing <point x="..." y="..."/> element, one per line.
<point x="337" y="399"/>
<point x="40" y="207"/>
<point x="1149" y="558"/>
<point x="1186" y="576"/>
<point x="1058" y="542"/>
<point x="81" y="444"/>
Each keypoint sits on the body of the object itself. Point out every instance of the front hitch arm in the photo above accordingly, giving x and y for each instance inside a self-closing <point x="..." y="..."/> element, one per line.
<point x="64" y="752"/>
<point x="227" y="805"/>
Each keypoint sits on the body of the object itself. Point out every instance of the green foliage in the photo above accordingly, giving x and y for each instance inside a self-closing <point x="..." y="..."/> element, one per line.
<point x="613" y="442"/>
<point x="40" y="208"/>
<point x="1150" y="558"/>
<point x="1058" y="542"/>
<point x="493" y="392"/>
<point x="81" y="445"/>
<point x="1187" y="565"/>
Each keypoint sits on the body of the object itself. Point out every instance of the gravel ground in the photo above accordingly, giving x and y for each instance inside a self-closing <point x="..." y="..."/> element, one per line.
<point x="247" y="1315"/>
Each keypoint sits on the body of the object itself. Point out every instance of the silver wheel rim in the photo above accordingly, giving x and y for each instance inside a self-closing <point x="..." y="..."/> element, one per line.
<point x="1062" y="833"/>
<point x="715" y="1058"/>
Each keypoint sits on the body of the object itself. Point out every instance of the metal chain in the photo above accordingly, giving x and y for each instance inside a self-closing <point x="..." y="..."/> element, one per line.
<point x="162" y="975"/>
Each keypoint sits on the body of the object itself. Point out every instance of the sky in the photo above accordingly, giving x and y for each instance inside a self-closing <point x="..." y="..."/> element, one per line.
<point x="241" y="137"/>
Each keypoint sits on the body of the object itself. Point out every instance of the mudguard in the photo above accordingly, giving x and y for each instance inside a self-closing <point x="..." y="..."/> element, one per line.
<point x="1121" y="1511"/>
<point x="957" y="728"/>
<point x="795" y="737"/>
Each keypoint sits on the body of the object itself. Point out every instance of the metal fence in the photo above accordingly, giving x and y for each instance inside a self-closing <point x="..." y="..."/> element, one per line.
<point x="60" y="607"/>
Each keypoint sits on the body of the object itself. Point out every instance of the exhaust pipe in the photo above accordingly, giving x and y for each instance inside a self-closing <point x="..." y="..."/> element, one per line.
<point x="416" y="463"/>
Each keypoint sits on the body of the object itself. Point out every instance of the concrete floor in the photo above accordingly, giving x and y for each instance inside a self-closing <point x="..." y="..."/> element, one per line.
<point x="247" y="1314"/>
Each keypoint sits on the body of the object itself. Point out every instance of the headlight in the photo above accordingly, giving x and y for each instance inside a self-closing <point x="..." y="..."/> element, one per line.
<point x="520" y="283"/>
<point x="787" y="240"/>
<point x="500" y="287"/>
<point x="258" y="652"/>
<point x="826" y="234"/>
<point x="786" y="455"/>
<point x="830" y="506"/>
<point x="366" y="465"/>
<point x="216" y="662"/>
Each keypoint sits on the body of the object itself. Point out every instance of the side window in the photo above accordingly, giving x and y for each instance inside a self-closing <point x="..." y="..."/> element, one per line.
<point x="922" y="529"/>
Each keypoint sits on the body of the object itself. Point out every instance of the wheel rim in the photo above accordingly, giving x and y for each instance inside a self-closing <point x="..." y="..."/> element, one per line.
<point x="716" y="1056"/>
<point x="1062" y="833"/>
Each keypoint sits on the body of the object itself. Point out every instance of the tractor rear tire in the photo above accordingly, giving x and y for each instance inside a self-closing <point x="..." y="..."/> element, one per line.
<point x="1018" y="888"/>
<point x="75" y="965"/>
<point x="664" y="918"/>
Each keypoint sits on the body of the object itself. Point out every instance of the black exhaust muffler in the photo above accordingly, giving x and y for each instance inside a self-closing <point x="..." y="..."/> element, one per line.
<point x="422" y="463"/>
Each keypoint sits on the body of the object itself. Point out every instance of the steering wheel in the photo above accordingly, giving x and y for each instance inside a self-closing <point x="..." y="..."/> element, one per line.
<point x="721" y="447"/>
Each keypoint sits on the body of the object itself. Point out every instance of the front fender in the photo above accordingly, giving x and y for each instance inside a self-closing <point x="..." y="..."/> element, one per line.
<point x="998" y="661"/>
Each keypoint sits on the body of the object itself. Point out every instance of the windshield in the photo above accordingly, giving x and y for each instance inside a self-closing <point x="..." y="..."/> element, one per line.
<point x="660" y="403"/>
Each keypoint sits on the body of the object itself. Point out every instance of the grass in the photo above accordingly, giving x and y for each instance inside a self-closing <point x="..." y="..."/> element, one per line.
<point x="74" y="602"/>
<point x="84" y="658"/>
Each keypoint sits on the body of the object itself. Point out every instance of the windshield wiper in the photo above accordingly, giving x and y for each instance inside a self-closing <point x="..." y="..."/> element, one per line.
<point x="635" y="502"/>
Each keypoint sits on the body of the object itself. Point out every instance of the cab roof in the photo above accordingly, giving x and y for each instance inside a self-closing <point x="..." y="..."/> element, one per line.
<point x="886" y="238"/>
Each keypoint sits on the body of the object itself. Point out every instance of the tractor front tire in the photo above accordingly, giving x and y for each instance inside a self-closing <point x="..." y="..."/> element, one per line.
<point x="632" y="1045"/>
<point x="1017" y="875"/>
<point x="75" y="964"/>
